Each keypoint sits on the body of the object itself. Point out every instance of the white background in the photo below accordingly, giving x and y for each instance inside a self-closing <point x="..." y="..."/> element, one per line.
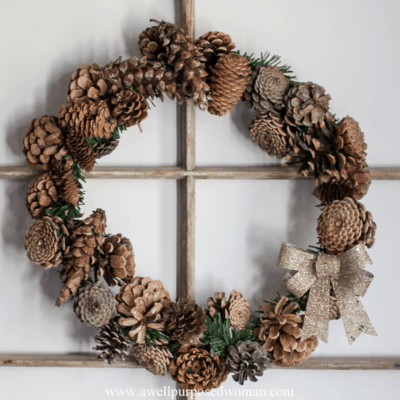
<point x="350" y="47"/>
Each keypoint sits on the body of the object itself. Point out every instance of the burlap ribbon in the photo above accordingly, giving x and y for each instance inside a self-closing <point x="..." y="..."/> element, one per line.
<point x="349" y="281"/>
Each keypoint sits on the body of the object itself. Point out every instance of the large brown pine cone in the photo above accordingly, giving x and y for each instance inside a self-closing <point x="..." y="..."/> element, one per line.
<point x="112" y="343"/>
<point x="95" y="304"/>
<point x="246" y="360"/>
<point x="44" y="141"/>
<point x="118" y="260"/>
<point x="341" y="225"/>
<point x="228" y="81"/>
<point x="79" y="148"/>
<point x="42" y="195"/>
<point x="92" y="119"/>
<point x="306" y="103"/>
<point x="169" y="44"/>
<point x="47" y="241"/>
<point x="155" y="359"/>
<point x="266" y="88"/>
<point x="268" y="132"/>
<point x="141" y="302"/>
<point x="281" y="331"/>
<point x="185" y="321"/>
<point x="87" y="239"/>
<point x="368" y="228"/>
<point x="195" y="369"/>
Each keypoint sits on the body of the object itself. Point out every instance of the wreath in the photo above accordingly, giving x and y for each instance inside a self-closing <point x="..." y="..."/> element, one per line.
<point x="199" y="346"/>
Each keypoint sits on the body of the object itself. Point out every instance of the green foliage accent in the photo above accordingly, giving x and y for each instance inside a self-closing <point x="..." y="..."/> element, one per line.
<point x="93" y="141"/>
<point x="118" y="130"/>
<point x="268" y="59"/>
<point x="292" y="299"/>
<point x="318" y="249"/>
<point x="220" y="335"/>
<point x="152" y="335"/>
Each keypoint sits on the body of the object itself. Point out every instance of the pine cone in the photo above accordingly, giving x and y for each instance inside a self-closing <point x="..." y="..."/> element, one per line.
<point x="228" y="81"/>
<point x="239" y="310"/>
<point x="87" y="240"/>
<point x="66" y="182"/>
<point x="218" y="306"/>
<point x="334" y="312"/>
<point x="42" y="195"/>
<point x="118" y="260"/>
<point x="95" y="304"/>
<point x="246" y="360"/>
<point x="281" y="331"/>
<point x="185" y="321"/>
<point x="44" y="141"/>
<point x="155" y="359"/>
<point x="340" y="226"/>
<point x="267" y="131"/>
<point x="141" y="302"/>
<point x="368" y="227"/>
<point x="168" y="44"/>
<point x="112" y="343"/>
<point x="80" y="149"/>
<point x="266" y="88"/>
<point x="306" y="103"/>
<point x="195" y="369"/>
<point x="92" y="119"/>
<point x="106" y="147"/>
<point x="129" y="108"/>
<point x="47" y="241"/>
<point x="355" y="186"/>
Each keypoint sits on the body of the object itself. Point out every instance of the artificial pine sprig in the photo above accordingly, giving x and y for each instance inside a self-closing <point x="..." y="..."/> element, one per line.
<point x="220" y="335"/>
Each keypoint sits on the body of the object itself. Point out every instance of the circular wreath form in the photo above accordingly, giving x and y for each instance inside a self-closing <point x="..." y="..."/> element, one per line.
<point x="200" y="347"/>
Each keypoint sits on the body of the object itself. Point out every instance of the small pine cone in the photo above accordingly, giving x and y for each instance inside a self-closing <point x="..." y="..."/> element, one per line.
<point x="306" y="103"/>
<point x="185" y="321"/>
<point x="112" y="343"/>
<point x="47" y="242"/>
<point x="129" y="108"/>
<point x="239" y="310"/>
<point x="87" y="84"/>
<point x="217" y="306"/>
<point x="267" y="131"/>
<point x="87" y="239"/>
<point x="155" y="359"/>
<point x="350" y="139"/>
<point x="44" y="141"/>
<point x="92" y="119"/>
<point x="42" y="195"/>
<point x="141" y="303"/>
<point x="246" y="360"/>
<point x="106" y="147"/>
<point x="334" y="312"/>
<point x="228" y="81"/>
<point x="304" y="302"/>
<point x="368" y="227"/>
<point x="195" y="369"/>
<point x="95" y="304"/>
<point x="118" y="260"/>
<point x="80" y="150"/>
<point x="340" y="226"/>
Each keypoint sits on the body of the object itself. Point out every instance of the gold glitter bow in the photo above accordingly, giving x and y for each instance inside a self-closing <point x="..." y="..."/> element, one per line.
<point x="349" y="281"/>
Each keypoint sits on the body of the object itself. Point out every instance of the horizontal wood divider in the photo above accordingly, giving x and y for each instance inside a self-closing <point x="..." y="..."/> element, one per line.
<point x="267" y="173"/>
<point x="92" y="361"/>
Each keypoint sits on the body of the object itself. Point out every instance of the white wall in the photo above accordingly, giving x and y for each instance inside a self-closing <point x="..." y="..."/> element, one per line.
<point x="350" y="47"/>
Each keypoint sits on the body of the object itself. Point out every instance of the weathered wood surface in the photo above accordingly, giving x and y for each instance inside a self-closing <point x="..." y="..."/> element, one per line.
<point x="267" y="173"/>
<point x="91" y="361"/>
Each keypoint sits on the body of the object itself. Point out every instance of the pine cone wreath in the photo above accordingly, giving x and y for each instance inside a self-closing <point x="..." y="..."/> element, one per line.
<point x="47" y="241"/>
<point x="92" y="119"/>
<point x="306" y="103"/>
<point x="195" y="369"/>
<point x="280" y="329"/>
<point x="43" y="142"/>
<point x="155" y="359"/>
<point x="87" y="239"/>
<point x="80" y="150"/>
<point x="268" y="132"/>
<point x="239" y="310"/>
<point x="246" y="360"/>
<point x="266" y="88"/>
<point x="184" y="321"/>
<point x="129" y="108"/>
<point x="95" y="304"/>
<point x="112" y="343"/>
<point x="118" y="260"/>
<point x="42" y="195"/>
<point x="228" y="81"/>
<point x="141" y="303"/>
<point x="106" y="147"/>
<point x="168" y="44"/>
<point x="218" y="306"/>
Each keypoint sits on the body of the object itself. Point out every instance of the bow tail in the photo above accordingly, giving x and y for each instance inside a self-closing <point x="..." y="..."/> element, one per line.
<point x="316" y="319"/>
<point x="354" y="317"/>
